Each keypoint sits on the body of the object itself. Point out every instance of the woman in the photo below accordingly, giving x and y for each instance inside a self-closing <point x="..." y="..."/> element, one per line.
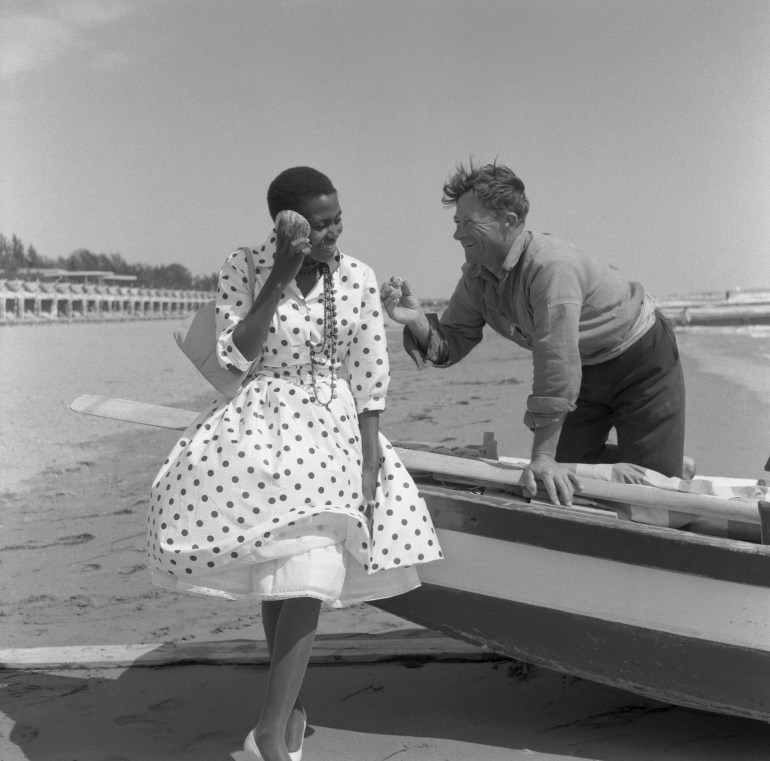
<point x="288" y="493"/>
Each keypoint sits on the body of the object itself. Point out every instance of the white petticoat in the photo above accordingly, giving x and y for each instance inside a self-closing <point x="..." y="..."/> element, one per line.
<point x="329" y="574"/>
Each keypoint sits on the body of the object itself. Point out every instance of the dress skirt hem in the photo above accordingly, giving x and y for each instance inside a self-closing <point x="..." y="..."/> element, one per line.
<point x="330" y="574"/>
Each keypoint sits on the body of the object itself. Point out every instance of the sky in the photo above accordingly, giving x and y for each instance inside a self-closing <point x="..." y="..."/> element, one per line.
<point x="152" y="128"/>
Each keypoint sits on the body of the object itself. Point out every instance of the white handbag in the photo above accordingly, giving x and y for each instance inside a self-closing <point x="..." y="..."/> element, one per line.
<point x="197" y="338"/>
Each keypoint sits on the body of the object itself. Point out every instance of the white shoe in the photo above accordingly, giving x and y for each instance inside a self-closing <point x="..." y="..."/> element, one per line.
<point x="250" y="746"/>
<point x="297" y="754"/>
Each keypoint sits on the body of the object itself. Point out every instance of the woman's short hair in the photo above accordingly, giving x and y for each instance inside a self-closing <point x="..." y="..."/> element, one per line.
<point x="292" y="186"/>
<point x="496" y="187"/>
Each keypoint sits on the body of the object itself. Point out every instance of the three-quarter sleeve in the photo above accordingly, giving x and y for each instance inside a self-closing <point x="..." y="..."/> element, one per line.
<point x="233" y="302"/>
<point x="367" y="360"/>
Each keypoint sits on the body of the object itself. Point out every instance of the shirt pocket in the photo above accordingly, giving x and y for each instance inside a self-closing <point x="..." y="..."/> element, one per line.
<point x="519" y="335"/>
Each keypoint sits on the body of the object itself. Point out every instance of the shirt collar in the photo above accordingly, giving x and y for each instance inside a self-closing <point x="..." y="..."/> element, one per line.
<point x="510" y="261"/>
<point x="515" y="252"/>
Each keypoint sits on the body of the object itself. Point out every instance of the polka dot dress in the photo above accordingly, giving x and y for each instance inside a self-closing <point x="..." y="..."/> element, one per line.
<point x="261" y="496"/>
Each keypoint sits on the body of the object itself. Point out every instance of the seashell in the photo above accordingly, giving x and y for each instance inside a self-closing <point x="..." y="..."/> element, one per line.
<point x="292" y="225"/>
<point x="396" y="284"/>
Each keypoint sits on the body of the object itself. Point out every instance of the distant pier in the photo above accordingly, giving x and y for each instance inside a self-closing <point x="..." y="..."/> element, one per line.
<point x="25" y="302"/>
<point x="733" y="308"/>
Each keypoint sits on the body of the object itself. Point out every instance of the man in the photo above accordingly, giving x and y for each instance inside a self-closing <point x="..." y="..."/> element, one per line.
<point x="603" y="356"/>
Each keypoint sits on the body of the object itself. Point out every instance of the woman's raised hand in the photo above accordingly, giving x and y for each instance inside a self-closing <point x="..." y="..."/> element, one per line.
<point x="293" y="242"/>
<point x="399" y="301"/>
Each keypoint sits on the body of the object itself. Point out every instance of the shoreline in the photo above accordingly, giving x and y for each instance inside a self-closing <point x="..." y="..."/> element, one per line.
<point x="748" y="318"/>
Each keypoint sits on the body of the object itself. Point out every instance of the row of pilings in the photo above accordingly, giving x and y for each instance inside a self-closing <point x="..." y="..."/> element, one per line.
<point x="24" y="302"/>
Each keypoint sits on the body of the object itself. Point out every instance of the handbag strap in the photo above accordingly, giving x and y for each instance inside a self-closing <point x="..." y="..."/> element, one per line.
<point x="252" y="283"/>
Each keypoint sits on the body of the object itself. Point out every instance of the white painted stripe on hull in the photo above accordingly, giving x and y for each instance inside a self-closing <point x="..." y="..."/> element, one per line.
<point x="654" y="598"/>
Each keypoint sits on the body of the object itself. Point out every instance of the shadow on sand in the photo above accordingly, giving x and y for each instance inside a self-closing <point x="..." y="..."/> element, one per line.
<point x="403" y="710"/>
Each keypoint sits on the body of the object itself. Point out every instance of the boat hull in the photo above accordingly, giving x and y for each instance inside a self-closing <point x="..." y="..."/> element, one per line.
<point x="663" y="613"/>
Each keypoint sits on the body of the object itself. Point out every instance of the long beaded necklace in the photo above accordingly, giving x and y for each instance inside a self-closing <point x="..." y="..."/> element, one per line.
<point x="327" y="352"/>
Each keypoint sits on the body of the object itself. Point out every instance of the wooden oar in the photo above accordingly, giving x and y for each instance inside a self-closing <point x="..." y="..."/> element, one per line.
<point x="482" y="471"/>
<point x="130" y="411"/>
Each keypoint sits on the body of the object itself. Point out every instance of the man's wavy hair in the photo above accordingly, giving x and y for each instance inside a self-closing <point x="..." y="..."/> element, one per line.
<point x="292" y="186"/>
<point x="496" y="187"/>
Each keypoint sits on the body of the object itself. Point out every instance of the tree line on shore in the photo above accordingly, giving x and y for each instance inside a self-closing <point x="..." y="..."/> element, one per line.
<point x="15" y="258"/>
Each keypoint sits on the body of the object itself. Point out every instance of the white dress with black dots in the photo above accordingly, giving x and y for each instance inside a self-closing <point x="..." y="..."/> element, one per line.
<point x="261" y="497"/>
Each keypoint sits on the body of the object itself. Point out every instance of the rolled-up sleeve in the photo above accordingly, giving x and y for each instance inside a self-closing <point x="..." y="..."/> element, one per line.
<point x="454" y="335"/>
<point x="436" y="354"/>
<point x="233" y="302"/>
<point x="367" y="363"/>
<point x="557" y="366"/>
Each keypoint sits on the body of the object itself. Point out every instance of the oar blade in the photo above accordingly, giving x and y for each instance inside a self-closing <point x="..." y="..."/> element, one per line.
<point x="129" y="411"/>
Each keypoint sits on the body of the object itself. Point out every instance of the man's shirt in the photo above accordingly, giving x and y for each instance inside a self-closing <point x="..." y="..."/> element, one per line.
<point x="550" y="297"/>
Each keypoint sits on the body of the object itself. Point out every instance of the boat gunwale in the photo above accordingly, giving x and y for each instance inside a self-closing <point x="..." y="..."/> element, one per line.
<point x="571" y="531"/>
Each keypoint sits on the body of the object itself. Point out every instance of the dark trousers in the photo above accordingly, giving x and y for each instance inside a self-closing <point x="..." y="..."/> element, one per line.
<point x="641" y="395"/>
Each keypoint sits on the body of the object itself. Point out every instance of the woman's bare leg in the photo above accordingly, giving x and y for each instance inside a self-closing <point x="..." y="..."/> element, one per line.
<point x="295" y="727"/>
<point x="292" y="626"/>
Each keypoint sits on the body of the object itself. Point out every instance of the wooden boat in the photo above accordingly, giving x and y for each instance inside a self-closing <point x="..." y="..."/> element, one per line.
<point x="664" y="613"/>
<point x="672" y="615"/>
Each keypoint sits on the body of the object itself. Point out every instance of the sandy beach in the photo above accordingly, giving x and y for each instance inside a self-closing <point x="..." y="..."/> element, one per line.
<point x="435" y="712"/>
<point x="75" y="574"/>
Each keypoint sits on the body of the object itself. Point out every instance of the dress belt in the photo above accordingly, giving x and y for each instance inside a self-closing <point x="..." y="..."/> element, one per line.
<point x="298" y="374"/>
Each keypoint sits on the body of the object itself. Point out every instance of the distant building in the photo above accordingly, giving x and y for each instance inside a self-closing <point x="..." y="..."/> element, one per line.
<point x="84" y="277"/>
